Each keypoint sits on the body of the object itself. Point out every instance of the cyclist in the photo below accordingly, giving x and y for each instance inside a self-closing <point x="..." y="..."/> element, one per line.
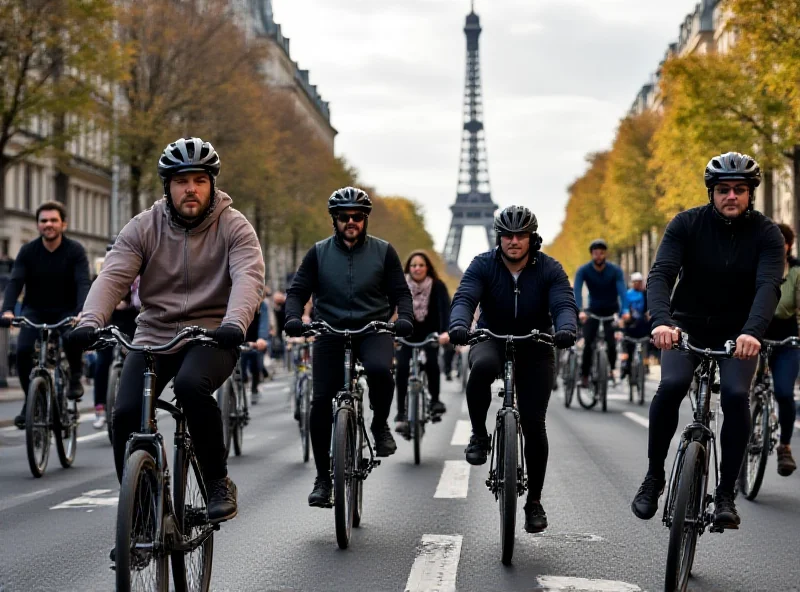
<point x="638" y="325"/>
<point x="730" y="259"/>
<point x="256" y="335"/>
<point x="606" y="284"/>
<point x="785" y="363"/>
<point x="54" y="271"/>
<point x="200" y="264"/>
<point x="518" y="289"/>
<point x="431" y="315"/>
<point x="355" y="279"/>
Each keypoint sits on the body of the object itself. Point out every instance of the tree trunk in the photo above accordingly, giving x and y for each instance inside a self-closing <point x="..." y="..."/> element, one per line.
<point x="769" y="194"/>
<point x="135" y="185"/>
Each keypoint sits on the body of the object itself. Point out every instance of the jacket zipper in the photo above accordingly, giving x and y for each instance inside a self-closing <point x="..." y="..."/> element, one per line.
<point x="516" y="294"/>
<point x="185" y="272"/>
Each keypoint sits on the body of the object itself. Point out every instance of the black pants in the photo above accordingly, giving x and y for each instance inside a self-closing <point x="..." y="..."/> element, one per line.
<point x="251" y="364"/>
<point x="375" y="352"/>
<point x="677" y="370"/>
<point x="534" y="382"/>
<point x="590" y="328"/>
<point x="198" y="371"/>
<point x="105" y="357"/>
<point x="403" y="370"/>
<point x="449" y="354"/>
<point x="25" y="351"/>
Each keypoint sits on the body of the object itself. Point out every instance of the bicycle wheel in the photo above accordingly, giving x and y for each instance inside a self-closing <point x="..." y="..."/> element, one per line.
<point x="66" y="435"/>
<point x="640" y="378"/>
<point x="304" y="402"/>
<point x="226" y="399"/>
<point x="587" y="397"/>
<point x="602" y="379"/>
<point x="633" y="379"/>
<point x="358" y="508"/>
<point x="237" y="419"/>
<point x="343" y="479"/>
<point x="556" y="369"/>
<point x="686" y="519"/>
<point x="37" y="426"/>
<point x="141" y="561"/>
<point x="414" y="418"/>
<point x="191" y="571"/>
<point x="507" y="463"/>
<point x="755" y="459"/>
<point x="111" y="398"/>
<point x="570" y="378"/>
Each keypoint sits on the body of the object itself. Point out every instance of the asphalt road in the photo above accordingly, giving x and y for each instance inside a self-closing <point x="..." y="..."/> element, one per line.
<point x="428" y="527"/>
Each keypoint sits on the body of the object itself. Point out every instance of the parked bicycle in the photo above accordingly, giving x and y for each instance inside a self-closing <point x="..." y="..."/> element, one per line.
<point x="599" y="373"/>
<point x="507" y="479"/>
<point x="349" y="438"/>
<point x="637" y="371"/>
<point x="417" y="396"/>
<point x="303" y="391"/>
<point x="114" y="372"/>
<point x="686" y="512"/>
<point x="232" y="401"/>
<point x="155" y="525"/>
<point x="569" y="373"/>
<point x="47" y="408"/>
<point x="764" y="425"/>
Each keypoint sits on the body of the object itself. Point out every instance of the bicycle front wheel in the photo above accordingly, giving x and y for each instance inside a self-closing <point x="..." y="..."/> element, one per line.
<point x="507" y="468"/>
<point x="415" y="393"/>
<point x="141" y="560"/>
<point x="570" y="377"/>
<point x="343" y="475"/>
<point x="238" y="417"/>
<point x="687" y="519"/>
<point x="358" y="504"/>
<point x="304" y="407"/>
<point x="755" y="459"/>
<point x="602" y="380"/>
<point x="37" y="426"/>
<point x="640" y="377"/>
<point x="111" y="398"/>
<point x="65" y="429"/>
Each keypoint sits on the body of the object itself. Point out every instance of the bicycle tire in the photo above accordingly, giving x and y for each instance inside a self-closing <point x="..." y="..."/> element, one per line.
<point x="305" y="416"/>
<point x="343" y="459"/>
<point x="687" y="512"/>
<point x="602" y="380"/>
<point x="140" y="491"/>
<point x="224" y="399"/>
<point x="584" y="401"/>
<point x="570" y="378"/>
<point x="66" y="437"/>
<point x="111" y="398"/>
<point x="751" y="474"/>
<point x="640" y="378"/>
<point x="633" y="378"/>
<point x="190" y="502"/>
<point x="358" y="509"/>
<point x="237" y="421"/>
<point x="414" y="421"/>
<point x="507" y="470"/>
<point x="37" y="426"/>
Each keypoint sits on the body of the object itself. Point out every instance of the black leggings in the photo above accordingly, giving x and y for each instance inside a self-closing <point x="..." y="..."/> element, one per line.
<point x="534" y="381"/>
<point x="403" y="370"/>
<point x="677" y="370"/>
<point x="375" y="352"/>
<point x="198" y="371"/>
<point x="590" y="328"/>
<point x="26" y="345"/>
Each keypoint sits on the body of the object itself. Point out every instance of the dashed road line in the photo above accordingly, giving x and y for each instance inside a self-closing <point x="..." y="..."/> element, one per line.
<point x="436" y="564"/>
<point x="797" y="425"/>
<point x="454" y="482"/>
<point x="636" y="418"/>
<point x="565" y="584"/>
<point x="462" y="432"/>
<point x="89" y="500"/>
<point x="94" y="436"/>
<point x="464" y="406"/>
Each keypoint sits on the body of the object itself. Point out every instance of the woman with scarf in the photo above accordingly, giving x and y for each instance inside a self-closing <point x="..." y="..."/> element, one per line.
<point x="431" y="315"/>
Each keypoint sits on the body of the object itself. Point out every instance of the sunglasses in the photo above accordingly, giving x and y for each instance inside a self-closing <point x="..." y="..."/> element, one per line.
<point x="345" y="218"/>
<point x="725" y="190"/>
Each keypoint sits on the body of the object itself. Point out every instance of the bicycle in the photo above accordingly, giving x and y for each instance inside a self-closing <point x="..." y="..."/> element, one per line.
<point x="152" y="525"/>
<point x="417" y="400"/>
<point x="48" y="410"/>
<point x="349" y="437"/>
<point x="232" y="401"/>
<point x="303" y="389"/>
<point x="686" y="512"/>
<point x="569" y="375"/>
<point x="598" y="374"/>
<point x="114" y="372"/>
<point x="764" y="427"/>
<point x="507" y="479"/>
<point x="636" y="368"/>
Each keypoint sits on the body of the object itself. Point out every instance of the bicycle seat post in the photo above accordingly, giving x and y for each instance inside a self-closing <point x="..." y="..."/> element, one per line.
<point x="148" y="406"/>
<point x="508" y="378"/>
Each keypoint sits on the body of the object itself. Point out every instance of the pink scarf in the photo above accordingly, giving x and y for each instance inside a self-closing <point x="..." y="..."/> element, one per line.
<point x="421" y="295"/>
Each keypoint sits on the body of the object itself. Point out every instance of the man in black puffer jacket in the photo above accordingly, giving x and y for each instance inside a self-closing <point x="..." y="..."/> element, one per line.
<point x="519" y="289"/>
<point x="355" y="279"/>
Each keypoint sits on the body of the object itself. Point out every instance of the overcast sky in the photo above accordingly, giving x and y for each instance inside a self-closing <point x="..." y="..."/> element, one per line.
<point x="557" y="77"/>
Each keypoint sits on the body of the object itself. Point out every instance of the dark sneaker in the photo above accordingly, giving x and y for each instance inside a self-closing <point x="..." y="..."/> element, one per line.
<point x="478" y="449"/>
<point x="725" y="515"/>
<point x="438" y="408"/>
<point x="535" y="517"/>
<point x="19" y="421"/>
<point x="645" y="504"/>
<point x="255" y="397"/>
<point x="75" y="390"/>
<point x="401" y="425"/>
<point x="320" y="496"/>
<point x="221" y="500"/>
<point x="786" y="464"/>
<point x="384" y="442"/>
<point x="585" y="382"/>
<point x="448" y="377"/>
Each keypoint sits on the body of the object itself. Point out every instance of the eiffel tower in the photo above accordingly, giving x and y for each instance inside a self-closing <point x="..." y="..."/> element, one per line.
<point x="474" y="205"/>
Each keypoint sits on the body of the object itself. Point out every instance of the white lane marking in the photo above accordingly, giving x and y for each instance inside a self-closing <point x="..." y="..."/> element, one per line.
<point x="454" y="482"/>
<point x="797" y="425"/>
<point x="615" y="397"/>
<point x="15" y="500"/>
<point x="95" y="436"/>
<point x="635" y="417"/>
<point x="464" y="406"/>
<point x="436" y="564"/>
<point x="565" y="584"/>
<point x="86" y="416"/>
<point x="462" y="433"/>
<point x="90" y="499"/>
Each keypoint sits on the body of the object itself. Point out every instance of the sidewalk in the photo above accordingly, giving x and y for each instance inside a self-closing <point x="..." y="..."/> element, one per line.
<point x="11" y="401"/>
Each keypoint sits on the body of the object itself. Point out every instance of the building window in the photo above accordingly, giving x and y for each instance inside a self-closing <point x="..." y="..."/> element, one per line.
<point x="27" y="204"/>
<point x="85" y="200"/>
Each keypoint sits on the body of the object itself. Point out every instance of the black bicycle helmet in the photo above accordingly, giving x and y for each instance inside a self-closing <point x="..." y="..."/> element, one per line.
<point x="188" y="155"/>
<point x="349" y="198"/>
<point x="733" y="166"/>
<point x="598" y="243"/>
<point x="515" y="219"/>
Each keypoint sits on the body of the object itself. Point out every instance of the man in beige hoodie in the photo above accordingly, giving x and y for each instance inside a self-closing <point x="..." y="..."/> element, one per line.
<point x="200" y="264"/>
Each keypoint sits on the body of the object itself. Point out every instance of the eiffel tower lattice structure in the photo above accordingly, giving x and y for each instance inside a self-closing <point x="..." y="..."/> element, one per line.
<point x="474" y="205"/>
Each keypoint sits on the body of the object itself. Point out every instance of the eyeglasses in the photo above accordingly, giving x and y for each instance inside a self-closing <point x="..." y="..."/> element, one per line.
<point x="518" y="235"/>
<point x="345" y="218"/>
<point x="726" y="189"/>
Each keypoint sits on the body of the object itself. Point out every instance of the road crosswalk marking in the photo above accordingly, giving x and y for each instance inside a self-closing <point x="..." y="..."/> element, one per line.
<point x="89" y="500"/>
<point x="461" y="433"/>
<point x="436" y="564"/>
<point x="454" y="482"/>
<point x="565" y="584"/>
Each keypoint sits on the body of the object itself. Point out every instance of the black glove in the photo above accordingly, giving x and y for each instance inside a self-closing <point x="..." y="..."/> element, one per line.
<point x="294" y="327"/>
<point x="228" y="336"/>
<point x="82" y="337"/>
<point x="403" y="328"/>
<point x="459" y="335"/>
<point x="564" y="339"/>
<point x="5" y="322"/>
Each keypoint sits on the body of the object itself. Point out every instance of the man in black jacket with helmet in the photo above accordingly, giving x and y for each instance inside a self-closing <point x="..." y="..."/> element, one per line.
<point x="729" y="260"/>
<point x="519" y="289"/>
<point x="355" y="279"/>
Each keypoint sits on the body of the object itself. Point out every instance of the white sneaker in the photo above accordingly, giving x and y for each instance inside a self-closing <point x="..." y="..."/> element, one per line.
<point x="100" y="421"/>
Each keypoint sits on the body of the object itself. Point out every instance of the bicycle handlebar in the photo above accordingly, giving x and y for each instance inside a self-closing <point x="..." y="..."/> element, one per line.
<point x="432" y="338"/>
<point x="113" y="334"/>
<point x="793" y="341"/>
<point x="321" y="328"/>
<point x="684" y="345"/>
<point x="18" y="321"/>
<point x="591" y="315"/>
<point x="636" y="339"/>
<point x="536" y="335"/>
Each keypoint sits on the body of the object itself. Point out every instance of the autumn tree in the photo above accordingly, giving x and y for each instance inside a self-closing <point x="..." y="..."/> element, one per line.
<point x="57" y="58"/>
